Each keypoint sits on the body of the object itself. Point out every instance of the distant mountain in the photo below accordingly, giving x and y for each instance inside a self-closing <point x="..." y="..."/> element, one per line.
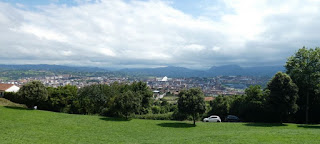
<point x="226" y="70"/>
<point x="170" y="71"/>
<point x="248" y="71"/>
<point x="165" y="71"/>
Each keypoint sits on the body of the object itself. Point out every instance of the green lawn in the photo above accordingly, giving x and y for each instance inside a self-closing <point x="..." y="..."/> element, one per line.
<point x="18" y="125"/>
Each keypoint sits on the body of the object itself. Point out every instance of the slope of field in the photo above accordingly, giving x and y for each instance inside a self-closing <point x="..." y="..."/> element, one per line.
<point x="5" y="102"/>
<point x="18" y="125"/>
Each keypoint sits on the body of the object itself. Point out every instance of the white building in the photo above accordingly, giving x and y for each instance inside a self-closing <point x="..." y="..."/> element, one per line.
<point x="8" y="88"/>
<point x="164" y="79"/>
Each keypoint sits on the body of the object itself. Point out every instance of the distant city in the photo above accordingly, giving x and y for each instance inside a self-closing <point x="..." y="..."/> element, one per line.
<point x="211" y="86"/>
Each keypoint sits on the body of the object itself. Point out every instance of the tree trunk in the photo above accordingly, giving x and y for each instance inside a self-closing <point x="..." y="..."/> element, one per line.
<point x="194" y="119"/>
<point x="307" y="108"/>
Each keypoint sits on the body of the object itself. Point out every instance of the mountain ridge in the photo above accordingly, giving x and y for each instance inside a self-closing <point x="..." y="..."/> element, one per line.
<point x="170" y="71"/>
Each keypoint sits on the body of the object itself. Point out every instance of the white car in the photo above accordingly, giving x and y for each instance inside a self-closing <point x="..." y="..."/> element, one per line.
<point x="213" y="118"/>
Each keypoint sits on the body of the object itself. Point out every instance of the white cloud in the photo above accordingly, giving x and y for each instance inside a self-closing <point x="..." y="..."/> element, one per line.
<point x="152" y="33"/>
<point x="216" y="48"/>
<point x="195" y="47"/>
<point x="42" y="33"/>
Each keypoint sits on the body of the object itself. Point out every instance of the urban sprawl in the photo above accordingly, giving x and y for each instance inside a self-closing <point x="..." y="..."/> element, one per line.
<point x="220" y="85"/>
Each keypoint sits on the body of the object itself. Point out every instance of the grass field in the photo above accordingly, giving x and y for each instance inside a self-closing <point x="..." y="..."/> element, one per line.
<point x="18" y="125"/>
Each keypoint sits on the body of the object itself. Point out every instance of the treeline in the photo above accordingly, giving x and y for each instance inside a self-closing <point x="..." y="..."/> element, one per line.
<point x="293" y="96"/>
<point x="120" y="100"/>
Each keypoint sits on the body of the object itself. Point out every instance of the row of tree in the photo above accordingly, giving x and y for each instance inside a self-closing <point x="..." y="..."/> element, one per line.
<point x="293" y="96"/>
<point x="114" y="100"/>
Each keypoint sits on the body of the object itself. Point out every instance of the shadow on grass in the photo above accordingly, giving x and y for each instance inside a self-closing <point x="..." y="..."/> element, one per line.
<point x="16" y="108"/>
<point x="115" y="119"/>
<point x="176" y="125"/>
<point x="265" y="124"/>
<point x="310" y="126"/>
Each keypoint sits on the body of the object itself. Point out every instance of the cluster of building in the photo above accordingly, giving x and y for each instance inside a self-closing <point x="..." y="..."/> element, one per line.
<point x="222" y="85"/>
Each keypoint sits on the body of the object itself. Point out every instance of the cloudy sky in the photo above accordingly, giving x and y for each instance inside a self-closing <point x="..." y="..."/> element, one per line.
<point x="152" y="33"/>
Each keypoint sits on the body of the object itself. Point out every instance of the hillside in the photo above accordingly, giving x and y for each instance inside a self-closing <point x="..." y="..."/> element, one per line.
<point x="169" y="71"/>
<point x="5" y="102"/>
<point x="20" y="125"/>
<point x="225" y="70"/>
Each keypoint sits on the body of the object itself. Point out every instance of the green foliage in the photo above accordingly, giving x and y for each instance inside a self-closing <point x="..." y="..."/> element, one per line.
<point x="191" y="102"/>
<point x="221" y="106"/>
<point x="156" y="109"/>
<point x="141" y="89"/>
<point x="127" y="104"/>
<point x="253" y="108"/>
<point x="92" y="99"/>
<point x="61" y="99"/>
<point x="249" y="107"/>
<point x="304" y="69"/>
<point x="283" y="94"/>
<point x="12" y="96"/>
<point x="33" y="93"/>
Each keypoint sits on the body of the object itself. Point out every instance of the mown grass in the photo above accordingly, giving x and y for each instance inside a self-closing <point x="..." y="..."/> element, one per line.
<point x="18" y="125"/>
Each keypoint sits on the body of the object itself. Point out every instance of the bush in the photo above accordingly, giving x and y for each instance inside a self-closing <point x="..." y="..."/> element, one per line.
<point x="155" y="109"/>
<point x="33" y="93"/>
<point x="179" y="116"/>
<point x="12" y="97"/>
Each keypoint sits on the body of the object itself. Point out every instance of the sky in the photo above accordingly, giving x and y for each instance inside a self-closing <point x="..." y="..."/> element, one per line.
<point x="195" y="34"/>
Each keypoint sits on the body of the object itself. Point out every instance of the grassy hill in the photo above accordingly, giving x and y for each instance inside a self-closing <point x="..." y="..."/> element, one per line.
<point x="19" y="125"/>
<point x="5" y="102"/>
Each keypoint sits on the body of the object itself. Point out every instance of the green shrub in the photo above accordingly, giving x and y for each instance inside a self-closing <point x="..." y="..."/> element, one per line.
<point x="155" y="109"/>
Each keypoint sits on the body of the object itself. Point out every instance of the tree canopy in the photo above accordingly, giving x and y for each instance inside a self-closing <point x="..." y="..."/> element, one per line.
<point x="283" y="94"/>
<point x="191" y="102"/>
<point x="33" y="93"/>
<point x="304" y="69"/>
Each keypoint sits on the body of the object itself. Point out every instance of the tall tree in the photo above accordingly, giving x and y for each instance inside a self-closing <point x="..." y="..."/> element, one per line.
<point x="221" y="106"/>
<point x="283" y="94"/>
<point x="141" y="89"/>
<point x="93" y="98"/>
<point x="253" y="106"/>
<point x="304" y="70"/>
<point x="127" y="103"/>
<point x="191" y="102"/>
<point x="33" y="93"/>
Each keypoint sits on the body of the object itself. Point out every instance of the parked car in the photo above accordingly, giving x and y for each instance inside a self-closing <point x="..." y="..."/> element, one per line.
<point x="213" y="118"/>
<point x="232" y="118"/>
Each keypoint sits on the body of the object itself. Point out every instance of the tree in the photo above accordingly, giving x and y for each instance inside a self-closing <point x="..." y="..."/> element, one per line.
<point x="191" y="102"/>
<point x="127" y="103"/>
<point x="304" y="70"/>
<point x="141" y="89"/>
<point x="60" y="99"/>
<point x="221" y="106"/>
<point x="33" y="93"/>
<point x="283" y="94"/>
<point x="253" y="106"/>
<point x="92" y="99"/>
